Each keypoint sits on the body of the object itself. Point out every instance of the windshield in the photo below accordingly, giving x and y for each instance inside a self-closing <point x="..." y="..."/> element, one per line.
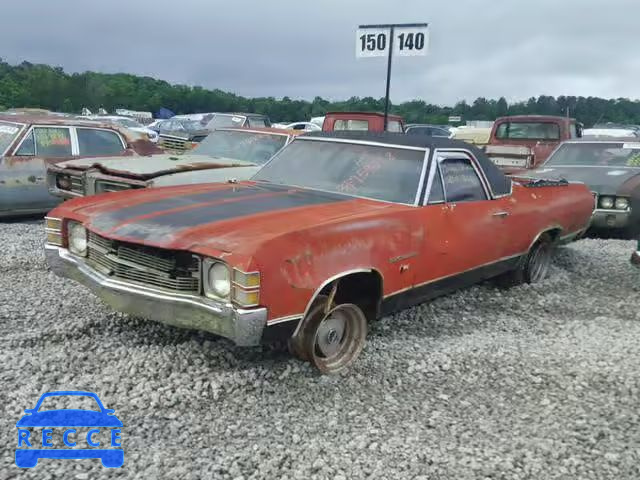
<point x="66" y="402"/>
<point x="221" y="121"/>
<point x="250" y="146"/>
<point x="528" y="131"/>
<point x="615" y="154"/>
<point x="381" y="173"/>
<point x="191" y="125"/>
<point x="8" y="133"/>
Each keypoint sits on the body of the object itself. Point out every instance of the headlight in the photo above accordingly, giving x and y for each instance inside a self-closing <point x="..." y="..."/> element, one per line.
<point x="621" y="203"/>
<point x="218" y="280"/>
<point x="63" y="182"/>
<point x="77" y="236"/>
<point x="606" y="202"/>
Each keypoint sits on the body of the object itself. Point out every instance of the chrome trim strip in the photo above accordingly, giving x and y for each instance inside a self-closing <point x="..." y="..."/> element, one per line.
<point x="423" y="172"/>
<point x="402" y="290"/>
<point x="327" y="282"/>
<point x="359" y="142"/>
<point x="288" y="318"/>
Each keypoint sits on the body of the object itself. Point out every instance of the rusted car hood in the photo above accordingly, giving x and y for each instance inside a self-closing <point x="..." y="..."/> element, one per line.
<point x="226" y="217"/>
<point x="602" y="180"/>
<point x="152" y="166"/>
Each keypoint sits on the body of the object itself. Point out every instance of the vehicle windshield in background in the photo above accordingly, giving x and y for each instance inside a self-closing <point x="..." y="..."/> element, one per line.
<point x="128" y="123"/>
<point x="597" y="154"/>
<point x="528" y="131"/>
<point x="249" y="146"/>
<point x="222" y="121"/>
<point x="191" y="125"/>
<point x="381" y="173"/>
<point x="8" y="132"/>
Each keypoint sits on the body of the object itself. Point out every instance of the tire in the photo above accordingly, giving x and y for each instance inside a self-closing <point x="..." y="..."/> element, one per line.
<point x="295" y="342"/>
<point x="333" y="341"/>
<point x="534" y="267"/>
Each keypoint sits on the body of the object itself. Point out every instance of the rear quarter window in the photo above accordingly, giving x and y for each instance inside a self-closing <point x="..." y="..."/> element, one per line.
<point x="93" y="142"/>
<point x="361" y="125"/>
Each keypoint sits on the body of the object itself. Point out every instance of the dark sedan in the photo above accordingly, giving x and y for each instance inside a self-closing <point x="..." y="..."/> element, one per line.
<point x="611" y="169"/>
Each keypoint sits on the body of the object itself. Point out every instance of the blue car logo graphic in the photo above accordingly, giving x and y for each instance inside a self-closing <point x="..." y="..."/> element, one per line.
<point x="68" y="421"/>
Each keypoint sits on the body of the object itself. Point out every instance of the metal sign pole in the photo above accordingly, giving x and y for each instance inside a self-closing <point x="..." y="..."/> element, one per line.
<point x="386" y="98"/>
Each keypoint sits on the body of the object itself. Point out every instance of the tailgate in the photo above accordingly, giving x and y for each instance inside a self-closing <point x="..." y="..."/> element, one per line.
<point x="510" y="155"/>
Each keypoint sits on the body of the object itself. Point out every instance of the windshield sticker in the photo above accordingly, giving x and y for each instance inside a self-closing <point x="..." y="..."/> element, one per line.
<point x="365" y="167"/>
<point x="631" y="146"/>
<point x="8" y="130"/>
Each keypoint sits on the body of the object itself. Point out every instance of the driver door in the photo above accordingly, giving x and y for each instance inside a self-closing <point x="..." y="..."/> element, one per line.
<point x="466" y="229"/>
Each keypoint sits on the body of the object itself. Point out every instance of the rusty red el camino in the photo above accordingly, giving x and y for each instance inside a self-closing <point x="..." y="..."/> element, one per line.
<point x="335" y="231"/>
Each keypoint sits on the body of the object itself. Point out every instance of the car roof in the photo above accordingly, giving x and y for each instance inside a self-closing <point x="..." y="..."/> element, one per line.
<point x="539" y="118"/>
<point x="371" y="114"/>
<point x="604" y="139"/>
<point x="56" y="120"/>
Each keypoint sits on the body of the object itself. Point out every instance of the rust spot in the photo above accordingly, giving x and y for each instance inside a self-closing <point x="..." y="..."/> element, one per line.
<point x="31" y="178"/>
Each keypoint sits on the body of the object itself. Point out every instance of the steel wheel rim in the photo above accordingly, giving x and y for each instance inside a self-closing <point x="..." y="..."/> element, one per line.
<point x="335" y="349"/>
<point x="539" y="264"/>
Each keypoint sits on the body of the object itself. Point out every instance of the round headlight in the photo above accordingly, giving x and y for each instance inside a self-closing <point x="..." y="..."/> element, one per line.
<point x="606" y="202"/>
<point x="64" y="182"/>
<point x="77" y="239"/>
<point x="622" y="203"/>
<point x="219" y="279"/>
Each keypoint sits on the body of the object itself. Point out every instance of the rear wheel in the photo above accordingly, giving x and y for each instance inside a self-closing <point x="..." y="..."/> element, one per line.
<point x="534" y="267"/>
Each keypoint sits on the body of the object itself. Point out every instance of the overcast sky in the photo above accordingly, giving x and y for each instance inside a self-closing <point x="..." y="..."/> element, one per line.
<point x="301" y="49"/>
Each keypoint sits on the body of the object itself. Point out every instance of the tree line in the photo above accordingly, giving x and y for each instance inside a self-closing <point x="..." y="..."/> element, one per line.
<point x="43" y="86"/>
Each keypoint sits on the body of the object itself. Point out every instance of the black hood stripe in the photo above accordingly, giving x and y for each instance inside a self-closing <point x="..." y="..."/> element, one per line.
<point x="109" y="220"/>
<point x="152" y="227"/>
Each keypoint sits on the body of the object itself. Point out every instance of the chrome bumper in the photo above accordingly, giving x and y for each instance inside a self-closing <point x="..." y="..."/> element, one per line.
<point x="243" y="327"/>
<point x="635" y="257"/>
<point x="610" y="219"/>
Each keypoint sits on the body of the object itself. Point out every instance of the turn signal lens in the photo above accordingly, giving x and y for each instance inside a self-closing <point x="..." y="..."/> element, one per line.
<point x="247" y="280"/>
<point x="53" y="223"/>
<point x="246" y="298"/>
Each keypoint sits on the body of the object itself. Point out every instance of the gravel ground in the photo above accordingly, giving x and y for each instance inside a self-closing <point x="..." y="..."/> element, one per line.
<point x="535" y="382"/>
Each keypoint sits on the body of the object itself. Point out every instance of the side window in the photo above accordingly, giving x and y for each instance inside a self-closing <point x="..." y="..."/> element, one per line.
<point x="394" y="126"/>
<point x="501" y="132"/>
<point x="28" y="147"/>
<point x="98" y="142"/>
<point x="436" y="195"/>
<point x="361" y="125"/>
<point x="461" y="182"/>
<point x="47" y="142"/>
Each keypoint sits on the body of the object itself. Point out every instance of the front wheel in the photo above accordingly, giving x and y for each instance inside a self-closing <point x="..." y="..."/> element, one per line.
<point x="333" y="340"/>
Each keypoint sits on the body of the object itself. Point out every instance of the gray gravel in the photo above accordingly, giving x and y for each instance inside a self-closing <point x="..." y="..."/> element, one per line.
<point x="534" y="382"/>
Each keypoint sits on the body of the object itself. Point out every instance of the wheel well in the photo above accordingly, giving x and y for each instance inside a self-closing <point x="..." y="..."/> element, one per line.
<point x="363" y="289"/>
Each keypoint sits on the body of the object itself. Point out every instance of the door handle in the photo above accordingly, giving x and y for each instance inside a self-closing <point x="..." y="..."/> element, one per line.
<point x="501" y="214"/>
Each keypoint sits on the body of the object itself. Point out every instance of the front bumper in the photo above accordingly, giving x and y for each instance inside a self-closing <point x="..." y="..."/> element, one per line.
<point x="635" y="256"/>
<point x="243" y="327"/>
<point x="610" y="219"/>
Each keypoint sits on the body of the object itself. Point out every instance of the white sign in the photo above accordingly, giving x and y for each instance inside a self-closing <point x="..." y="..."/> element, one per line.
<point x="372" y="42"/>
<point x="407" y="41"/>
<point x="455" y="118"/>
<point x="411" y="41"/>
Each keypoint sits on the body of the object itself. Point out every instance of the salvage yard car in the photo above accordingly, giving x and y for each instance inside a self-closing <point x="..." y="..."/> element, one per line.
<point x="525" y="141"/>
<point x="611" y="169"/>
<point x="361" y="121"/>
<point x="228" y="153"/>
<point x="333" y="232"/>
<point x="28" y="144"/>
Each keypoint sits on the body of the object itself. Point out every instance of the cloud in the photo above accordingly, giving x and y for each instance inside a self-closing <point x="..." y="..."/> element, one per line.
<point x="505" y="48"/>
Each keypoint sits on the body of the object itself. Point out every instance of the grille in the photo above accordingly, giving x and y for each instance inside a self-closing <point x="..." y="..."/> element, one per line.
<point x="104" y="186"/>
<point x="166" y="269"/>
<point x="174" y="144"/>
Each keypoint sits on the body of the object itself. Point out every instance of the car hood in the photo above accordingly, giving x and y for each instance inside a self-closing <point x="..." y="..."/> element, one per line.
<point x="225" y="217"/>
<point x="152" y="166"/>
<point x="602" y="180"/>
<point x="69" y="418"/>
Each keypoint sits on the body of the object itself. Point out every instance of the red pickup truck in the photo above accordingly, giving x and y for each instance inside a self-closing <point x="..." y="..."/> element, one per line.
<point x="524" y="142"/>
<point x="362" y="121"/>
